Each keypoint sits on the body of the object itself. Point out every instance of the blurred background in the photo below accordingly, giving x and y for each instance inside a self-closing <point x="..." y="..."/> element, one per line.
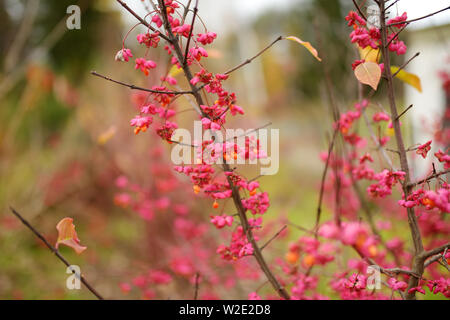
<point x="65" y="137"/>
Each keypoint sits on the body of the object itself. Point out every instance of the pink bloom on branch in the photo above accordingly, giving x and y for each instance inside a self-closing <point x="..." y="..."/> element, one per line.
<point x="380" y="116"/>
<point x="121" y="181"/>
<point x="222" y="221"/>
<point x="157" y="20"/>
<point x="123" y="55"/>
<point x="198" y="53"/>
<point x="253" y="296"/>
<point x="246" y="250"/>
<point x="141" y="123"/>
<point x="353" y="18"/>
<point x="144" y="65"/>
<point x="149" y="39"/>
<point x="183" y="30"/>
<point x="206" y="38"/>
<point x="159" y="277"/>
<point x="125" y="287"/>
<point x="401" y="18"/>
<point x="442" y="157"/>
<point x="418" y="289"/>
<point x="397" y="285"/>
<point x="423" y="149"/>
<point x="355" y="282"/>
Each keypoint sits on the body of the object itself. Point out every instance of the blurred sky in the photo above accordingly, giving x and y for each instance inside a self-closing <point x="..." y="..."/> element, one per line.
<point x="227" y="15"/>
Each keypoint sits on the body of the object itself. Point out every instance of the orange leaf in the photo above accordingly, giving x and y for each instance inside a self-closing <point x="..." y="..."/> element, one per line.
<point x="307" y="45"/>
<point x="368" y="73"/>
<point x="68" y="236"/>
<point x="409" y="78"/>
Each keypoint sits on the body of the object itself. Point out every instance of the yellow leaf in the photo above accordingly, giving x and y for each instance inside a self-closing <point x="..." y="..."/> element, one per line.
<point x="408" y="78"/>
<point x="368" y="73"/>
<point x="106" y="135"/>
<point x="68" y="236"/>
<point x="369" y="54"/>
<point x="307" y="45"/>
<point x="174" y="71"/>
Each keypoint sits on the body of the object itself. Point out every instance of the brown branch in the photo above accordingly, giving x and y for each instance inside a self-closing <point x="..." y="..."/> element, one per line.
<point x="434" y="251"/>
<point x="392" y="4"/>
<point x="226" y="167"/>
<point x="322" y="183"/>
<point x="434" y="175"/>
<point x="145" y="23"/>
<point x="190" y="32"/>
<point x="395" y="37"/>
<point x="197" y="278"/>
<point x="418" y="263"/>
<point x="133" y="87"/>
<point x="403" y="112"/>
<point x="273" y="237"/>
<point x="416" y="19"/>
<point x="55" y="251"/>
<point x="254" y="57"/>
<point x="359" y="10"/>
<point x="405" y="64"/>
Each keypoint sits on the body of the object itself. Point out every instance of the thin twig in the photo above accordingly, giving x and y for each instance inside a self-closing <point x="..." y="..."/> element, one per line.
<point x="405" y="64"/>
<point x="274" y="236"/>
<point x="55" y="251"/>
<point x="133" y="87"/>
<point x="254" y="57"/>
<point x="389" y="6"/>
<point x="434" y="251"/>
<point x="197" y="278"/>
<point x="417" y="19"/>
<point x="359" y="10"/>
<point x="322" y="184"/>
<point x="226" y="167"/>
<point x="396" y="35"/>
<point x="403" y="112"/>
<point x="434" y="175"/>
<point x="190" y="32"/>
<point x="145" y="23"/>
<point x="418" y="263"/>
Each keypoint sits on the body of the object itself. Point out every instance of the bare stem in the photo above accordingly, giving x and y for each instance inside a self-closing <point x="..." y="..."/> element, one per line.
<point x="55" y="251"/>
<point x="273" y="238"/>
<point x="434" y="175"/>
<point x="416" y="19"/>
<point x="226" y="167"/>
<point x="418" y="263"/>
<point x="133" y="87"/>
<point x="322" y="184"/>
<point x="190" y="32"/>
<point x="254" y="57"/>
<point x="123" y="4"/>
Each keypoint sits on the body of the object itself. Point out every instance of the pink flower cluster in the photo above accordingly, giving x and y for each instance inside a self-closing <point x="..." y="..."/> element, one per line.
<point x="387" y="179"/>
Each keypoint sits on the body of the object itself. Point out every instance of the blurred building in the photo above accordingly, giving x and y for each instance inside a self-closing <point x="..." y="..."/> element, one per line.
<point x="429" y="105"/>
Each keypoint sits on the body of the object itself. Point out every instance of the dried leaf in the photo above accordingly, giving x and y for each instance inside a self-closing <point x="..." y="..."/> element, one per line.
<point x="408" y="78"/>
<point x="307" y="45"/>
<point x="68" y="236"/>
<point x="368" y="73"/>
